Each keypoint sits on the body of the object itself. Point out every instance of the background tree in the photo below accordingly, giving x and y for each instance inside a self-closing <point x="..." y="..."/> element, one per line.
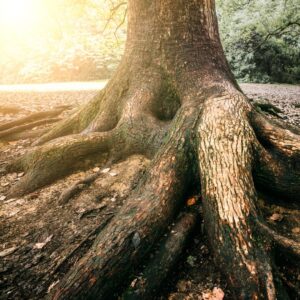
<point x="84" y="40"/>
<point x="261" y="39"/>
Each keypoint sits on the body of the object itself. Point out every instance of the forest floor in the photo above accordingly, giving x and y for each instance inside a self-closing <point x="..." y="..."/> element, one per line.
<point x="195" y="277"/>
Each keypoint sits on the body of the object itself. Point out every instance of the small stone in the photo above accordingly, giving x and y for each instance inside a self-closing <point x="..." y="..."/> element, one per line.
<point x="21" y="174"/>
<point x="113" y="174"/>
<point x="136" y="240"/>
<point x="106" y="170"/>
<point x="97" y="169"/>
<point x="2" y="198"/>
<point x="296" y="230"/>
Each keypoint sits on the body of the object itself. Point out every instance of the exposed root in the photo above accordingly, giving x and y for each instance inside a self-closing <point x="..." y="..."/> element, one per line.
<point x="32" y="118"/>
<point x="277" y="137"/>
<point x="277" y="175"/>
<point x="283" y="242"/>
<point x="4" y="134"/>
<point x="74" y="124"/>
<point x="158" y="268"/>
<point x="139" y="223"/>
<point x="76" y="188"/>
<point x="53" y="160"/>
<point x="10" y="109"/>
<point x="266" y="106"/>
<point x="226" y="158"/>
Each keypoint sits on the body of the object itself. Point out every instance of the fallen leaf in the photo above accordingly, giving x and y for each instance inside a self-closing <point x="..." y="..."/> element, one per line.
<point x="215" y="294"/>
<point x="106" y="170"/>
<point x="8" y="251"/>
<point x="21" y="174"/>
<point x="191" y="201"/>
<point x="218" y="294"/>
<point x="113" y="174"/>
<point x="43" y="244"/>
<point x="296" y="230"/>
<point x="4" y="183"/>
<point x="133" y="283"/>
<point x="276" y="217"/>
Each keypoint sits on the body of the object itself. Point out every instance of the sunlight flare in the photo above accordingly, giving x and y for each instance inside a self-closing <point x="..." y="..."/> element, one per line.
<point x="19" y="15"/>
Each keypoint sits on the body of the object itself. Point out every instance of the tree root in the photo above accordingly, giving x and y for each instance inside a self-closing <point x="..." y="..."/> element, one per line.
<point x="4" y="134"/>
<point x="283" y="242"/>
<point x="26" y="135"/>
<point x="56" y="159"/>
<point x="158" y="268"/>
<point x="276" y="175"/>
<point x="277" y="137"/>
<point x="10" y="109"/>
<point x="140" y="222"/>
<point x="76" y="188"/>
<point x="226" y="158"/>
<point x="235" y="146"/>
<point x="32" y="118"/>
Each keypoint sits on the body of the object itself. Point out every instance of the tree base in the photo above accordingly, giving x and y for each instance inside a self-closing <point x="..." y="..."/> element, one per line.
<point x="214" y="139"/>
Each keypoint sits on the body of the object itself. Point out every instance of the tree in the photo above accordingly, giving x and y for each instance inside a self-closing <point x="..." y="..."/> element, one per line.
<point x="175" y="100"/>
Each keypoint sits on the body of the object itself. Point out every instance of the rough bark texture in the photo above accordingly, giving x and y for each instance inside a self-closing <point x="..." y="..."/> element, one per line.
<point x="174" y="100"/>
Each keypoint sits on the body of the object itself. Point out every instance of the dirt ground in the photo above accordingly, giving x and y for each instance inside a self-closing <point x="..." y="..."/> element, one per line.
<point x="39" y="253"/>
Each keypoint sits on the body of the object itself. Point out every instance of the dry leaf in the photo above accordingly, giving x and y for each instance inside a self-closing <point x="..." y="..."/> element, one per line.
<point x="276" y="217"/>
<point x="8" y="251"/>
<point x="191" y="201"/>
<point x="106" y="170"/>
<point x="43" y="244"/>
<point x="296" y="230"/>
<point x="215" y="294"/>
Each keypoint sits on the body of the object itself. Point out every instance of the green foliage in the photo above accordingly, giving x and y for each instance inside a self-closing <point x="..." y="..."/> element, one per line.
<point x="76" y="43"/>
<point x="261" y="39"/>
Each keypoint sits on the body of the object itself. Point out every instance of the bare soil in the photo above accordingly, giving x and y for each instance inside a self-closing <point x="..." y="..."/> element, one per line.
<point x="196" y="277"/>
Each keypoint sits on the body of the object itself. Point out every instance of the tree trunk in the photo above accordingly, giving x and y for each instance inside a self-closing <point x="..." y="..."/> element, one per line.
<point x="174" y="100"/>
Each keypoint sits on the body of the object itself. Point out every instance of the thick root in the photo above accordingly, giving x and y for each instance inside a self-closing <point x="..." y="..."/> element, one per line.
<point x="276" y="175"/>
<point x="158" y="268"/>
<point x="141" y="221"/>
<point x="278" y="138"/>
<point x="74" y="124"/>
<point x="51" y="161"/>
<point x="226" y="158"/>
